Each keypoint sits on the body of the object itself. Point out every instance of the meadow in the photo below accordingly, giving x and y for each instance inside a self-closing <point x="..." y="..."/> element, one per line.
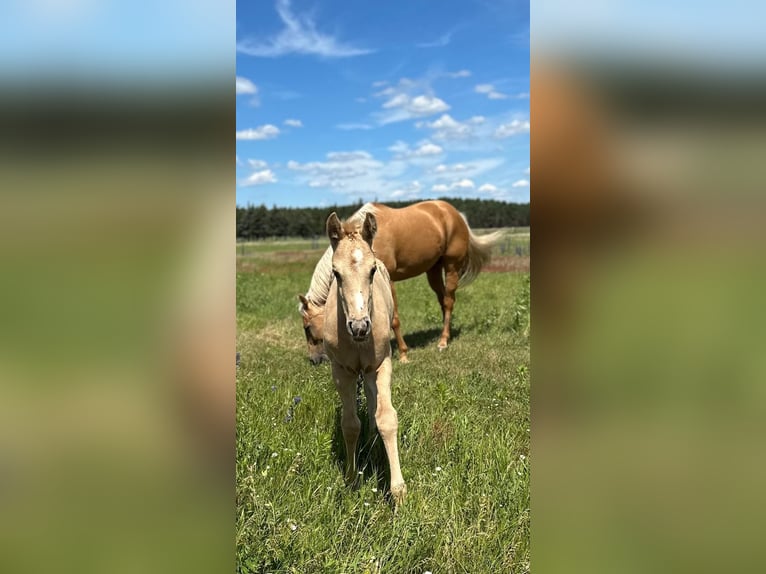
<point x="464" y="429"/>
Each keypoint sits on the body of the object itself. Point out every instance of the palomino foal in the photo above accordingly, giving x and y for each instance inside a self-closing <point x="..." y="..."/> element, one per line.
<point x="357" y="326"/>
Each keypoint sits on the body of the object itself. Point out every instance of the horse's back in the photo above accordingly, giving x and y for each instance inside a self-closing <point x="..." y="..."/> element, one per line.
<point x="412" y="239"/>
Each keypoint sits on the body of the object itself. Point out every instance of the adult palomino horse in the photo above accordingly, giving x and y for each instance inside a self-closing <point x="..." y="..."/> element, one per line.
<point x="429" y="237"/>
<point x="357" y="325"/>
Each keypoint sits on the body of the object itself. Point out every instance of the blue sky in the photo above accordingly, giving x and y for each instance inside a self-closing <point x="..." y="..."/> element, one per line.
<point x="341" y="101"/>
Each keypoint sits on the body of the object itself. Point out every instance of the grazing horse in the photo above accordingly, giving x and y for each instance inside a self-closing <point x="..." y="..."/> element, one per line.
<point x="429" y="237"/>
<point x="357" y="325"/>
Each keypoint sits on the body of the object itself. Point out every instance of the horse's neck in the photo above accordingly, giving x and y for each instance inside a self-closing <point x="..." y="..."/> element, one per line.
<point x="320" y="281"/>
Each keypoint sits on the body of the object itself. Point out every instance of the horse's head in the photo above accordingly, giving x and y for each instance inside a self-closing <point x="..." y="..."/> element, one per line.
<point x="313" y="326"/>
<point x="354" y="266"/>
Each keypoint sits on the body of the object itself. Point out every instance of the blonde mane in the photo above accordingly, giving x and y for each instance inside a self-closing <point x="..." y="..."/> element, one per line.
<point x="322" y="278"/>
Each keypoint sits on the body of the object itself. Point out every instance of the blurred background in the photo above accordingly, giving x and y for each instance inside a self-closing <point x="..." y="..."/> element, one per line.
<point x="648" y="140"/>
<point x="116" y="297"/>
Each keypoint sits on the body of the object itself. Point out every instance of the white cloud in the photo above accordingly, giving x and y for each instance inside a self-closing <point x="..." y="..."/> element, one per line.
<point x="426" y="105"/>
<point x="264" y="132"/>
<point x="356" y="173"/>
<point x="488" y="188"/>
<point x="340" y="165"/>
<point x="459" y="74"/>
<point x="464" y="184"/>
<point x="399" y="148"/>
<point x="520" y="183"/>
<point x="245" y="86"/>
<point x="424" y="149"/>
<point x="348" y="155"/>
<point x="259" y="178"/>
<point x="447" y="128"/>
<point x="512" y="128"/>
<point x="403" y="107"/>
<point x="440" y="42"/>
<point x="326" y="183"/>
<point x="354" y="126"/>
<point x="410" y="191"/>
<point x="470" y="169"/>
<point x="397" y="101"/>
<point x="293" y="123"/>
<point x="427" y="149"/>
<point x="406" y="100"/>
<point x="444" y="168"/>
<point x="299" y="36"/>
<point x="490" y="92"/>
<point x="257" y="163"/>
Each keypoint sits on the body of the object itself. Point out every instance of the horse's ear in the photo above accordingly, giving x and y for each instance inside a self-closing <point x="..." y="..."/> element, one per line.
<point x="334" y="230"/>
<point x="369" y="228"/>
<point x="304" y="304"/>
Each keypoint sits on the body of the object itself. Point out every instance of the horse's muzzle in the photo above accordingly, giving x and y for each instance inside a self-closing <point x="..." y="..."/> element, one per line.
<point x="318" y="359"/>
<point x="359" y="329"/>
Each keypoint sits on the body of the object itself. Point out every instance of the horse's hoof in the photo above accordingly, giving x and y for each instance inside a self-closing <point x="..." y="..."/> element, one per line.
<point x="403" y="359"/>
<point x="398" y="492"/>
<point x="442" y="346"/>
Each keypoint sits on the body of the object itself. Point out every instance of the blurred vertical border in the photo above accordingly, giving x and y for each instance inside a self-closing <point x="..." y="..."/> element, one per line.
<point x="116" y="293"/>
<point x="648" y="177"/>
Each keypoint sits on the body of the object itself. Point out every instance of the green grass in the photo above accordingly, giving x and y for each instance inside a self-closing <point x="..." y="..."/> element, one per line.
<point x="245" y="248"/>
<point x="463" y="436"/>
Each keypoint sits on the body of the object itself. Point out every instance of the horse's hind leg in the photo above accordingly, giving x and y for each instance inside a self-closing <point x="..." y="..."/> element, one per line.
<point x="451" y="279"/>
<point x="345" y="384"/>
<point x="436" y="281"/>
<point x="397" y="331"/>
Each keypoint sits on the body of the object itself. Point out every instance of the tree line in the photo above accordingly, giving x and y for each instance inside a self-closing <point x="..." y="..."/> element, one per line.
<point x="260" y="222"/>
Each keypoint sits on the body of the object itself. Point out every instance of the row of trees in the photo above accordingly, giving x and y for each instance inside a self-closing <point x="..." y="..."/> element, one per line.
<point x="260" y="222"/>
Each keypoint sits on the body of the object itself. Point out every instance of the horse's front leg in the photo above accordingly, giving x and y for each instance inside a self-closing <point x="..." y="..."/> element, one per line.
<point x="345" y="383"/>
<point x="388" y="424"/>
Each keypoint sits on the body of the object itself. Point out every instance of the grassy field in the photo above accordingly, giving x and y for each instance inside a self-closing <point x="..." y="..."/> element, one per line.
<point x="463" y="431"/>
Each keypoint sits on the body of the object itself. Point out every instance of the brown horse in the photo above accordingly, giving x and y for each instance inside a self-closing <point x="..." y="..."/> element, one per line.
<point x="429" y="237"/>
<point x="357" y="325"/>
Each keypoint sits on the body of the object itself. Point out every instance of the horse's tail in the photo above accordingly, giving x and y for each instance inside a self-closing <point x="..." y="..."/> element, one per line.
<point x="479" y="253"/>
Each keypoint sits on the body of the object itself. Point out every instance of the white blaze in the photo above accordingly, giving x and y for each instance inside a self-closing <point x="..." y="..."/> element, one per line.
<point x="359" y="301"/>
<point x="358" y="256"/>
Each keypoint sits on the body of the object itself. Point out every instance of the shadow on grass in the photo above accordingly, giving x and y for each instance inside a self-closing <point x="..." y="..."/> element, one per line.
<point x="371" y="457"/>
<point x="425" y="338"/>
